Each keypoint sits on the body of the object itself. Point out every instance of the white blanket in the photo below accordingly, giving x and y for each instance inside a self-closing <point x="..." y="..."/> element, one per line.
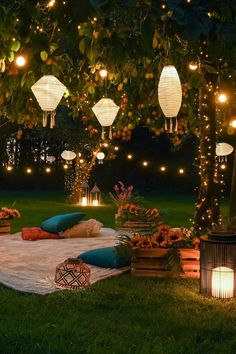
<point x="30" y="266"/>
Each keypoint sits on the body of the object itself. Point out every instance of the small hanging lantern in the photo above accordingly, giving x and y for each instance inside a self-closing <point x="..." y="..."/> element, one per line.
<point x="100" y="157"/>
<point x="68" y="155"/>
<point x="95" y="196"/>
<point x="84" y="194"/>
<point x="170" y="95"/>
<point x="50" y="159"/>
<point x="105" y="110"/>
<point x="223" y="150"/>
<point x="48" y="91"/>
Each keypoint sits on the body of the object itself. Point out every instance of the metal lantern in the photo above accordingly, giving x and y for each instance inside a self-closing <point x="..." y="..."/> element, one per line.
<point x="48" y="91"/>
<point x="105" y="110"/>
<point x="84" y="198"/>
<point x="68" y="155"/>
<point x="223" y="150"/>
<point x="218" y="264"/>
<point x="170" y="94"/>
<point x="95" y="196"/>
<point x="100" y="156"/>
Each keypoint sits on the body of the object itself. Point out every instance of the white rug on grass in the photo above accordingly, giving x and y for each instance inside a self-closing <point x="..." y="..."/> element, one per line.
<point x="30" y="266"/>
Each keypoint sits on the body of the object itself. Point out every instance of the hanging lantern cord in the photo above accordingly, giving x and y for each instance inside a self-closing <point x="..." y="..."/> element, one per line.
<point x="45" y="118"/>
<point x="103" y="133"/>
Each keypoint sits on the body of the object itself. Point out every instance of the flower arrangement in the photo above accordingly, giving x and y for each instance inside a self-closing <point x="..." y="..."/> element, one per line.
<point x="164" y="237"/>
<point x="123" y="194"/>
<point x="8" y="214"/>
<point x="132" y="212"/>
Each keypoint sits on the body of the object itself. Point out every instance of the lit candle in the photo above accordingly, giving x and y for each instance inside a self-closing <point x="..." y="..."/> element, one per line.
<point x="95" y="202"/>
<point x="222" y="282"/>
<point x="84" y="201"/>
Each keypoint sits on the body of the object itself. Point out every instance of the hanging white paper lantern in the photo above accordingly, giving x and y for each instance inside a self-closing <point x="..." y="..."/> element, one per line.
<point x="68" y="155"/>
<point x="100" y="157"/>
<point x="170" y="94"/>
<point x="223" y="150"/>
<point x="50" y="159"/>
<point x="48" y="91"/>
<point x="105" y="110"/>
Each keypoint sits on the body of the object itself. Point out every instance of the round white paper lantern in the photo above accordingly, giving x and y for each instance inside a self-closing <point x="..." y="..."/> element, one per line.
<point x="48" y="91"/>
<point x="223" y="150"/>
<point x="100" y="157"/>
<point x="50" y="159"/>
<point x="68" y="155"/>
<point x="105" y="110"/>
<point x="170" y="94"/>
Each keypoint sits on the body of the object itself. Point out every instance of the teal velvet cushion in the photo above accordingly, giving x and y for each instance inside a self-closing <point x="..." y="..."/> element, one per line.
<point x="62" y="222"/>
<point x="107" y="257"/>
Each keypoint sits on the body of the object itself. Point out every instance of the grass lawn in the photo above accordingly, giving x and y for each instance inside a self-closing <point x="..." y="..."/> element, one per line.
<point x="118" y="315"/>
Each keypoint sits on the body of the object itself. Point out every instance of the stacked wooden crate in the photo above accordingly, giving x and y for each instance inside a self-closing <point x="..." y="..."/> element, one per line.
<point x="139" y="227"/>
<point x="5" y="227"/>
<point x="190" y="263"/>
<point x="153" y="262"/>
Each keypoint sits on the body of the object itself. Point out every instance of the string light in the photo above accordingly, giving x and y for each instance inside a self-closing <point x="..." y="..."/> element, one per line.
<point x="181" y="171"/>
<point x="233" y="123"/>
<point x="222" y="98"/>
<point x="129" y="157"/>
<point x="145" y="163"/>
<point x="48" y="169"/>
<point x="65" y="166"/>
<point x="103" y="73"/>
<point x="29" y="170"/>
<point x="51" y="3"/>
<point x="223" y="166"/>
<point x="116" y="148"/>
<point x="105" y="145"/>
<point x="20" y="61"/>
<point x="163" y="168"/>
<point x="193" y="66"/>
<point x="9" y="168"/>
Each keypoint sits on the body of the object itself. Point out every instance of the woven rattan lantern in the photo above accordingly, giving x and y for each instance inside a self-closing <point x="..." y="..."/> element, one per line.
<point x="170" y="95"/>
<point x="105" y="110"/>
<point x="95" y="196"/>
<point x="48" y="91"/>
<point x="72" y="274"/>
<point x="223" y="150"/>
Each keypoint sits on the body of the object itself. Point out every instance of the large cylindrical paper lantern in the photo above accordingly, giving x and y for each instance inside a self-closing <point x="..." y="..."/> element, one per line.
<point x="48" y="91"/>
<point x="170" y="94"/>
<point x="223" y="150"/>
<point x="105" y="110"/>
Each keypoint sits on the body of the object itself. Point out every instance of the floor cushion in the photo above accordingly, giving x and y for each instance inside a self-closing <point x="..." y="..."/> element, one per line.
<point x="87" y="228"/>
<point x="107" y="257"/>
<point x="60" y="223"/>
<point x="36" y="233"/>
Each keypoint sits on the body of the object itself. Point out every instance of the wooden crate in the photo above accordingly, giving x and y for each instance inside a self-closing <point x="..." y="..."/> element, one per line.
<point x="136" y="227"/>
<point x="5" y="227"/>
<point x="153" y="262"/>
<point x="190" y="263"/>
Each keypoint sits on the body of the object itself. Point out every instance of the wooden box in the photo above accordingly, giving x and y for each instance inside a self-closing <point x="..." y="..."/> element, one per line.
<point x="153" y="262"/>
<point x="140" y="227"/>
<point x="5" y="227"/>
<point x="190" y="263"/>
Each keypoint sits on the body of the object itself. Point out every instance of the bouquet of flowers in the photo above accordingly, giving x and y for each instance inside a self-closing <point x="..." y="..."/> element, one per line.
<point x="8" y="214"/>
<point x="132" y="212"/>
<point x="123" y="194"/>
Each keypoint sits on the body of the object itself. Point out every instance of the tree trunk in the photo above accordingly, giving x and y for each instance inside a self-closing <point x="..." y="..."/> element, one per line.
<point x="207" y="211"/>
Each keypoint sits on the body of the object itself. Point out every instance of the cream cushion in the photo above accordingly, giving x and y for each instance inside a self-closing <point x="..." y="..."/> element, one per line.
<point x="88" y="228"/>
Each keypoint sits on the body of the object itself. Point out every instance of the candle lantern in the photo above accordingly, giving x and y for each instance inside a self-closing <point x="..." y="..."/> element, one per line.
<point x="170" y="94"/>
<point x="95" y="196"/>
<point x="105" y="110"/>
<point x="218" y="265"/>
<point x="84" y="194"/>
<point x="48" y="91"/>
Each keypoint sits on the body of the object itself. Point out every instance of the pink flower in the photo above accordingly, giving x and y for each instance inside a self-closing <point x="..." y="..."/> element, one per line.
<point x="121" y="183"/>
<point x="116" y="188"/>
<point x="130" y="188"/>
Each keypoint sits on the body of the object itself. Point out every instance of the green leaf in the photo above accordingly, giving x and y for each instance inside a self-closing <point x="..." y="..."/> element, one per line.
<point x="53" y="47"/>
<point x="91" y="90"/>
<point x="11" y="56"/>
<point x="15" y="46"/>
<point x="23" y="79"/>
<point x="210" y="69"/>
<point x="82" y="45"/>
<point x="44" y="55"/>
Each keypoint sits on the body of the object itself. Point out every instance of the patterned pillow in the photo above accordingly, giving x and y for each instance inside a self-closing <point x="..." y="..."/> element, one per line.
<point x="62" y="222"/>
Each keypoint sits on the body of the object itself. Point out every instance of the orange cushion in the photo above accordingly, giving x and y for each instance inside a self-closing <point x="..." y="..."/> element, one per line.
<point x="36" y="233"/>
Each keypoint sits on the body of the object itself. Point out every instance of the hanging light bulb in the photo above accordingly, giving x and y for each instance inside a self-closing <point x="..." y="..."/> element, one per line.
<point x="170" y="94"/>
<point x="193" y="66"/>
<point x="48" y="91"/>
<point x="103" y="73"/>
<point x="222" y="97"/>
<point x="105" y="110"/>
